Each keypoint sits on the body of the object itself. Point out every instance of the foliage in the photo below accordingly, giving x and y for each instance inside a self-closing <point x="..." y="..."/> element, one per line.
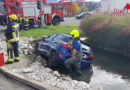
<point x="108" y="31"/>
<point x="75" y="8"/>
<point x="83" y="9"/>
<point x="48" y="30"/>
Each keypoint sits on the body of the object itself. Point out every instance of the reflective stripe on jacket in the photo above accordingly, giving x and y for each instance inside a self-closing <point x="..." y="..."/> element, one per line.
<point x="12" y="32"/>
<point x="26" y="20"/>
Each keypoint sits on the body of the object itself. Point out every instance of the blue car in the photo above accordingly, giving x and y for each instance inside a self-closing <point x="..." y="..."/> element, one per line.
<point x="56" y="51"/>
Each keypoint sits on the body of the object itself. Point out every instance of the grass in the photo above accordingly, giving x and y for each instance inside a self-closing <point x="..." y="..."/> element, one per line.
<point x="48" y="30"/>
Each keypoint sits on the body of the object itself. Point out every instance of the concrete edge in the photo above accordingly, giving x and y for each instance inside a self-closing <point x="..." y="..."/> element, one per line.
<point x="33" y="83"/>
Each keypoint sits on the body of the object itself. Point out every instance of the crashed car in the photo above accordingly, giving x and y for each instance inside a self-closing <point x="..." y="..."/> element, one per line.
<point x="55" y="50"/>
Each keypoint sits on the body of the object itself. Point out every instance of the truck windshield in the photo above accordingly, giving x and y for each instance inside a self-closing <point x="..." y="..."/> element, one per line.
<point x="60" y="7"/>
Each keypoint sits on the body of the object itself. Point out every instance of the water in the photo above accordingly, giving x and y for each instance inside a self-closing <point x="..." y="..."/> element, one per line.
<point x="111" y="70"/>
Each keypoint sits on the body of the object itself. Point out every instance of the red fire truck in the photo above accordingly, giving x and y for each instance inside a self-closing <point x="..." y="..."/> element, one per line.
<point x="53" y="12"/>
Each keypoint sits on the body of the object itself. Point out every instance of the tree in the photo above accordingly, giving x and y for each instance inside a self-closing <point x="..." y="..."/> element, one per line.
<point x="83" y="9"/>
<point x="75" y="8"/>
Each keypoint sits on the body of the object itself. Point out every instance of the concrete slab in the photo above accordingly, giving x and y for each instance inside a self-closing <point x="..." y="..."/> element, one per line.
<point x="30" y="82"/>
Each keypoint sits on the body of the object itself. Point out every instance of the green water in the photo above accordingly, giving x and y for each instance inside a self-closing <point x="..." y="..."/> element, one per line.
<point x="111" y="71"/>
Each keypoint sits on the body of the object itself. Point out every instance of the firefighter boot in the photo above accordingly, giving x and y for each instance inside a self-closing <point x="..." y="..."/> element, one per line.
<point x="16" y="59"/>
<point x="10" y="61"/>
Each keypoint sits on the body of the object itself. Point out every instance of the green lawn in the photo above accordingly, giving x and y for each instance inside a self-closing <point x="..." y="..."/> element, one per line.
<point x="48" y="30"/>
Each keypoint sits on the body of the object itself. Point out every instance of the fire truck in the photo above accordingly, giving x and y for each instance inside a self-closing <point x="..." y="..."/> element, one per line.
<point x="53" y="12"/>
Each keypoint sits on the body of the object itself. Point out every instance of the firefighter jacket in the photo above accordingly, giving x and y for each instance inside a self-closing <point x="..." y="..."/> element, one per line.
<point x="19" y="20"/>
<point x="26" y="20"/>
<point x="12" y="32"/>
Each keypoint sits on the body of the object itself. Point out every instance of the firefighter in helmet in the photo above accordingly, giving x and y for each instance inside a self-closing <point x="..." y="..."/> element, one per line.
<point x="26" y="24"/>
<point x="76" y="53"/>
<point x="12" y="38"/>
<point x="19" y="21"/>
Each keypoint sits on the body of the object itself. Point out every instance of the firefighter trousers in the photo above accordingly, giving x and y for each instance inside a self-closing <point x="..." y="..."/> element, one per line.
<point x="26" y="26"/>
<point x="75" y="63"/>
<point x="12" y="50"/>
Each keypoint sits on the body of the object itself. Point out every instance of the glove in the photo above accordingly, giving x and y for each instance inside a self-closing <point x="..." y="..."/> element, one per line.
<point x="9" y="46"/>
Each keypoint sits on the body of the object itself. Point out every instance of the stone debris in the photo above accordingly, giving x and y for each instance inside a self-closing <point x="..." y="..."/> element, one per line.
<point x="27" y="70"/>
<point x="38" y="72"/>
<point x="53" y="78"/>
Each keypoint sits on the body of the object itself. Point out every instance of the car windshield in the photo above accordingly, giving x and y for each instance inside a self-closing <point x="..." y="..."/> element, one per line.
<point x="51" y="37"/>
<point x="59" y="37"/>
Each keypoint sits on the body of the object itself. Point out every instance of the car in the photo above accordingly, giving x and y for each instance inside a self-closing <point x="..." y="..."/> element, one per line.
<point x="82" y="15"/>
<point x="55" y="50"/>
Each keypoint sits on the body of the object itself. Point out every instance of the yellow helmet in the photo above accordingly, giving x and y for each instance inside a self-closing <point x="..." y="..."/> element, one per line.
<point x="13" y="16"/>
<point x="74" y="33"/>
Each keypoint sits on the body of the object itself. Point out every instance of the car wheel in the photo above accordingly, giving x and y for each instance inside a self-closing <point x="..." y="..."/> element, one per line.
<point x="52" y="59"/>
<point x="56" y="21"/>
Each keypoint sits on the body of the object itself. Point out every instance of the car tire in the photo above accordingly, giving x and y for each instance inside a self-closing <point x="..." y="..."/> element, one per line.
<point x="52" y="59"/>
<point x="56" y="21"/>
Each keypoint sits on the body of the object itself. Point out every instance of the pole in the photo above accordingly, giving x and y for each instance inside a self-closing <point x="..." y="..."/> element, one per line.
<point x="42" y="17"/>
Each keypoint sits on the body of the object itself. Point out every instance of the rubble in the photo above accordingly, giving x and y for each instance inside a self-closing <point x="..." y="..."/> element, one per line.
<point x="38" y="72"/>
<point x="53" y="78"/>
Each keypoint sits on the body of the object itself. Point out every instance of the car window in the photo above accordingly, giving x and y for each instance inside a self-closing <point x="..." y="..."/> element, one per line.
<point x="54" y="6"/>
<point x="59" y="37"/>
<point x="60" y="7"/>
<point x="51" y="37"/>
<point x="55" y="38"/>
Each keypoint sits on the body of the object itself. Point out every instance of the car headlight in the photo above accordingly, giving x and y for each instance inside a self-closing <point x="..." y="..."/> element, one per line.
<point x="85" y="47"/>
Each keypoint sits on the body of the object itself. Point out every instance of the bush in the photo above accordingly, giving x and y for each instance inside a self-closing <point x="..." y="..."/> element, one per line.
<point x="75" y="8"/>
<point x="83" y="9"/>
<point x="108" y="31"/>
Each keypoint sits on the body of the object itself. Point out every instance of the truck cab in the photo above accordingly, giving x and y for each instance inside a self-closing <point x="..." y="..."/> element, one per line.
<point x="54" y="13"/>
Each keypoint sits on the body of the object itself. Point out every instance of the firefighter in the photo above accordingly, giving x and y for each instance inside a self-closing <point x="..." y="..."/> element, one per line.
<point x="12" y="38"/>
<point x="26" y="24"/>
<point x="19" y="20"/>
<point x="76" y="53"/>
<point x="39" y="21"/>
